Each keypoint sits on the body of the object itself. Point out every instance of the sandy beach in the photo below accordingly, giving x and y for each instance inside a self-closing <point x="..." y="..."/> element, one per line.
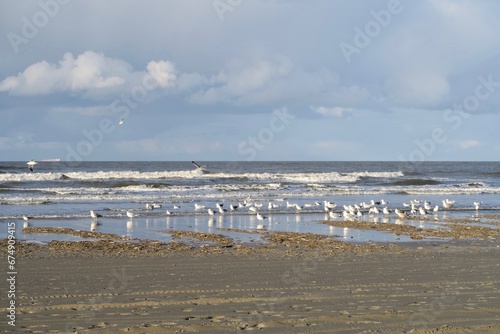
<point x="296" y="283"/>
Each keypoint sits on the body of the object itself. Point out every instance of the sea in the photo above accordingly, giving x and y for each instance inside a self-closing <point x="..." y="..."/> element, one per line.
<point x="61" y="194"/>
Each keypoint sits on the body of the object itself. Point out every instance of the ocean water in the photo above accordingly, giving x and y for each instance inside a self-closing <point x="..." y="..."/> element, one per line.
<point x="58" y="194"/>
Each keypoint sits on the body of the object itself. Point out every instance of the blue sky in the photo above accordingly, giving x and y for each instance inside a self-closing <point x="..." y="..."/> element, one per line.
<point x="250" y="80"/>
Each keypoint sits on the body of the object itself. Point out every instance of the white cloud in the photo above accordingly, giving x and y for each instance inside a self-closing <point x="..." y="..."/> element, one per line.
<point x="267" y="80"/>
<point x="332" y="111"/>
<point x="88" y="71"/>
<point x="90" y="74"/>
<point x="163" y="72"/>
<point x="467" y="144"/>
<point x="93" y="110"/>
<point x="259" y="81"/>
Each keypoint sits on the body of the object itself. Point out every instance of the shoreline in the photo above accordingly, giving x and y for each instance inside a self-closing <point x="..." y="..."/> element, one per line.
<point x="298" y="283"/>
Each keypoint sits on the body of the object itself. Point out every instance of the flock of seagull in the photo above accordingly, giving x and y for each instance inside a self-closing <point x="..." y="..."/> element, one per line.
<point x="413" y="209"/>
<point x="416" y="208"/>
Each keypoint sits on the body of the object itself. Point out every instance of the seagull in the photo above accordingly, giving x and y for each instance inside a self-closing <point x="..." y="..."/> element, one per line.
<point x="436" y="209"/>
<point x="333" y="215"/>
<point x="211" y="212"/>
<point x="130" y="214"/>
<point x="122" y="120"/>
<point x="386" y="211"/>
<point x="422" y="211"/>
<point x="168" y="213"/>
<point x="177" y="206"/>
<point x="348" y="215"/>
<point x="221" y="210"/>
<point x="448" y="204"/>
<point x="329" y="205"/>
<point x="260" y="217"/>
<point x="26" y="218"/>
<point x="31" y="164"/>
<point x="233" y="207"/>
<point x="198" y="206"/>
<point x="94" y="215"/>
<point x="401" y="214"/>
<point x="252" y="209"/>
<point x="477" y="204"/>
<point x="198" y="167"/>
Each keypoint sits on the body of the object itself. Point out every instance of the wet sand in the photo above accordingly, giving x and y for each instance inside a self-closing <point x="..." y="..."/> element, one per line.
<point x="298" y="283"/>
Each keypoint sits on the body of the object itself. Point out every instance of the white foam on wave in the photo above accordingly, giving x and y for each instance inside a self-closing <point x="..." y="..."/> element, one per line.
<point x="20" y="177"/>
<point x="388" y="175"/>
<point x="325" y="177"/>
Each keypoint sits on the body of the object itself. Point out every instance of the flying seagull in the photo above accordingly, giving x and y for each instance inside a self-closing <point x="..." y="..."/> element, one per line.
<point x="198" y="167"/>
<point x="31" y="164"/>
<point x="122" y="120"/>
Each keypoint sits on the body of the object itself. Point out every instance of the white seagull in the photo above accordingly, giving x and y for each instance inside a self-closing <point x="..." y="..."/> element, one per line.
<point x="477" y="204"/>
<point x="260" y="217"/>
<point x="198" y="167"/>
<point x="94" y="214"/>
<point x="122" y="120"/>
<point x="130" y="214"/>
<point x="198" y="206"/>
<point x="333" y="215"/>
<point x="422" y="211"/>
<point x="401" y="214"/>
<point x="447" y="204"/>
<point x="31" y="164"/>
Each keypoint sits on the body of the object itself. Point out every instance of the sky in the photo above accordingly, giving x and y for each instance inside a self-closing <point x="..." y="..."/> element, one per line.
<point x="250" y="80"/>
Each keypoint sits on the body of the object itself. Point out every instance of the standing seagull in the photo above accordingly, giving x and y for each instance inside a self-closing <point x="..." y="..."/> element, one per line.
<point x="31" y="164"/>
<point x="94" y="215"/>
<point x="130" y="214"/>
<point x="261" y="219"/>
<point x="477" y="204"/>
